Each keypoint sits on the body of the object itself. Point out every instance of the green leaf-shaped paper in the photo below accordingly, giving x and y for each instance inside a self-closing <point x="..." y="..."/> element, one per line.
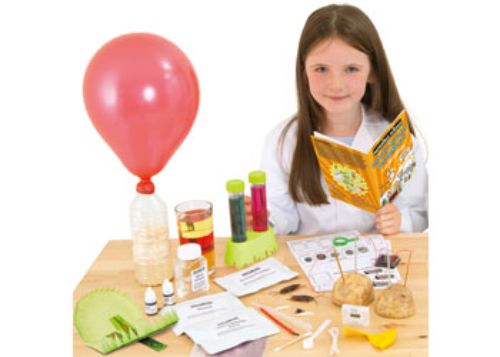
<point x="107" y="319"/>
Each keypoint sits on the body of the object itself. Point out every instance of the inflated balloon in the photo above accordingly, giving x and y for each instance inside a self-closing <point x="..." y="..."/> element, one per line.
<point x="142" y="95"/>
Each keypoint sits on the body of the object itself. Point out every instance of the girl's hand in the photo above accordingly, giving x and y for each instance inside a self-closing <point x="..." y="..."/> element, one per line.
<point x="248" y="212"/>
<point x="388" y="219"/>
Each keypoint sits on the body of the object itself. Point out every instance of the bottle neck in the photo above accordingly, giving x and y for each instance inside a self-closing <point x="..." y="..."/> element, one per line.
<point x="145" y="186"/>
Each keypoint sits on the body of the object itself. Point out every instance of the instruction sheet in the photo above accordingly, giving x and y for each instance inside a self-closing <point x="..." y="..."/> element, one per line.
<point x="316" y="257"/>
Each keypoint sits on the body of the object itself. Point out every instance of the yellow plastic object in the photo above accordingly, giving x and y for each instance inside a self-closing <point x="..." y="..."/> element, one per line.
<point x="380" y="340"/>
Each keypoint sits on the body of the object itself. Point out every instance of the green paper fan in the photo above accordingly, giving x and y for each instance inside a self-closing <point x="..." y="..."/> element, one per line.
<point x="107" y="319"/>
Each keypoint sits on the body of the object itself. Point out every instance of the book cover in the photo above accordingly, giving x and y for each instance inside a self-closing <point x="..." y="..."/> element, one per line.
<point x="368" y="180"/>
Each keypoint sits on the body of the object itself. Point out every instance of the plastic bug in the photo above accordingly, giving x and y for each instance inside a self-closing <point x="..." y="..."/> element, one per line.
<point x="289" y="289"/>
<point x="303" y="298"/>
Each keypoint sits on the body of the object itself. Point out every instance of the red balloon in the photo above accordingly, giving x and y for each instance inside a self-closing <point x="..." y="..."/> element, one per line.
<point x="142" y="95"/>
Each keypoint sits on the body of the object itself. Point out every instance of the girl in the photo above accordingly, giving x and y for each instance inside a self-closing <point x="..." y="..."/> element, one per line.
<point x="345" y="90"/>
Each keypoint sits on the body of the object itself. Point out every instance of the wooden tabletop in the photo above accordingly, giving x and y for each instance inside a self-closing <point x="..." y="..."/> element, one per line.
<point x="114" y="268"/>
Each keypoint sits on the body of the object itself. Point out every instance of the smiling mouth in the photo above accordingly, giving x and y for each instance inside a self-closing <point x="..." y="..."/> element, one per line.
<point x="337" y="97"/>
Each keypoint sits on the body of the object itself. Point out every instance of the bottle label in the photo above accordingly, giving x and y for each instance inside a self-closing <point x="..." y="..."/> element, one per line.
<point x="193" y="230"/>
<point x="199" y="279"/>
<point x="150" y="308"/>
<point x="168" y="300"/>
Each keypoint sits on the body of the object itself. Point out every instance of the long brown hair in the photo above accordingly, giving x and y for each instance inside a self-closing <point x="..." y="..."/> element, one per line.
<point x="352" y="26"/>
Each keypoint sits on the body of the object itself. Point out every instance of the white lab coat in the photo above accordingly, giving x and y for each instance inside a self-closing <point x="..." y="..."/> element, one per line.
<point x="290" y="217"/>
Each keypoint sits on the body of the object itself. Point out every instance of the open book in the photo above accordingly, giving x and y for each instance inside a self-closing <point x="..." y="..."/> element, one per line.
<point x="372" y="179"/>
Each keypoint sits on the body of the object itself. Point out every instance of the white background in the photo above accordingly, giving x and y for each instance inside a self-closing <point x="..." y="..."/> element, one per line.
<point x="64" y="193"/>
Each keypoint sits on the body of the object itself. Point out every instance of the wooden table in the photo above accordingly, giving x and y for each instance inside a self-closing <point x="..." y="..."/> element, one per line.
<point x="114" y="268"/>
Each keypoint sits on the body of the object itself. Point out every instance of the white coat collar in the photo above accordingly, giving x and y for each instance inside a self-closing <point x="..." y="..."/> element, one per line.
<point x="363" y="140"/>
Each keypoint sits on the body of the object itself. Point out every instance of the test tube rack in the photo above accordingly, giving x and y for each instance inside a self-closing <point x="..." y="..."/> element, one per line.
<point x="258" y="246"/>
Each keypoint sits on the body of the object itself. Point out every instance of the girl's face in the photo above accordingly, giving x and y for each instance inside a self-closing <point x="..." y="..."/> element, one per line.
<point x="337" y="74"/>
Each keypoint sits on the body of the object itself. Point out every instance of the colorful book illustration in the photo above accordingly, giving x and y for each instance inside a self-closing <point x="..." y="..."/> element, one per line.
<point x="107" y="319"/>
<point x="368" y="180"/>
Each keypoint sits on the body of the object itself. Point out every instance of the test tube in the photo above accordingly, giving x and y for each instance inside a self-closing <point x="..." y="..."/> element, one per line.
<point x="257" y="181"/>
<point x="236" y="189"/>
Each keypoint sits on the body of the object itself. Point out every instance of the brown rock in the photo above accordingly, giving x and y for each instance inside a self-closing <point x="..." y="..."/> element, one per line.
<point x="395" y="302"/>
<point x="354" y="289"/>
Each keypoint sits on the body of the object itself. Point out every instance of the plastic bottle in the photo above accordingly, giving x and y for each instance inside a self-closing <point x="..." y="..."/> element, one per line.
<point x="150" y="305"/>
<point x="168" y="293"/>
<point x="151" y="246"/>
<point x="257" y="181"/>
<point x="236" y="189"/>
<point x="191" y="274"/>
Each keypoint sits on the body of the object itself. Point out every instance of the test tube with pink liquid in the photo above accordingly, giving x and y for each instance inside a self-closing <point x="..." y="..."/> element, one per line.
<point x="257" y="181"/>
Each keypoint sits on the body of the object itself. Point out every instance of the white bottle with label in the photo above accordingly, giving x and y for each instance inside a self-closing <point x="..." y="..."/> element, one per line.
<point x="168" y="293"/>
<point x="191" y="275"/>
<point x="150" y="304"/>
<point x="151" y="246"/>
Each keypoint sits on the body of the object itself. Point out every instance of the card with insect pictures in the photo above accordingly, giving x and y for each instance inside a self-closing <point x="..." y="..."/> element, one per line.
<point x="317" y="258"/>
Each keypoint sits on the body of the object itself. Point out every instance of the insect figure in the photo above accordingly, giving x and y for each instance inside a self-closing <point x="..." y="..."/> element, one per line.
<point x="303" y="298"/>
<point x="289" y="289"/>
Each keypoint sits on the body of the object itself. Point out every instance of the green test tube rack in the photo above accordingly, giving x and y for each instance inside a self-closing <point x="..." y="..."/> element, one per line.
<point x="258" y="246"/>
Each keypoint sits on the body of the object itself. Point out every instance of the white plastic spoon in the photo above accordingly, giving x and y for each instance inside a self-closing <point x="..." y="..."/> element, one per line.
<point x="308" y="343"/>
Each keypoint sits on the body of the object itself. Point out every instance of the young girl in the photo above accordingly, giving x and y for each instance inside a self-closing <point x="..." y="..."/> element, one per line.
<point x="346" y="91"/>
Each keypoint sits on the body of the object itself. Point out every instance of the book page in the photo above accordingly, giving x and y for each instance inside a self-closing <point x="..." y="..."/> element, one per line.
<point x="393" y="160"/>
<point x="347" y="173"/>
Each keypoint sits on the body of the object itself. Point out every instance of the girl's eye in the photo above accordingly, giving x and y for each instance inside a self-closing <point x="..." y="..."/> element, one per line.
<point x="352" y="69"/>
<point x="321" y="69"/>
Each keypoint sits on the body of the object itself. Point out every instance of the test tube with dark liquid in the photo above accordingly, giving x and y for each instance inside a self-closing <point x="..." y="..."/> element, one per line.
<point x="257" y="181"/>
<point x="236" y="189"/>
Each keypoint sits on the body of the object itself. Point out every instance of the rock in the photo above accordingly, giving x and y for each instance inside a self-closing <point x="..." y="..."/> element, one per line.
<point x="354" y="289"/>
<point x="395" y="302"/>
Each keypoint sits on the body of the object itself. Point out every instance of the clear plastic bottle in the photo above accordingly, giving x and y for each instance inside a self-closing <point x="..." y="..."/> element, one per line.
<point x="151" y="246"/>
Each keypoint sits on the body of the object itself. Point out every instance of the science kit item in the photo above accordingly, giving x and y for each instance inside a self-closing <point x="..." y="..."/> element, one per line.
<point x="318" y="256"/>
<point x="107" y="319"/>
<point x="368" y="180"/>
<point x="253" y="348"/>
<point x="168" y="293"/>
<point x="396" y="302"/>
<point x="191" y="276"/>
<point x="291" y="342"/>
<point x="236" y="191"/>
<point x="294" y="323"/>
<point x="355" y="315"/>
<point x="249" y="246"/>
<point x="354" y="289"/>
<point x="334" y="347"/>
<point x="278" y="322"/>
<point x="151" y="247"/>
<point x="380" y="340"/>
<point x="195" y="225"/>
<point x="256" y="277"/>
<point x="200" y="309"/>
<point x="150" y="303"/>
<point x="231" y="328"/>
<point x="308" y="343"/>
<point x="257" y="181"/>
<point x="382" y="261"/>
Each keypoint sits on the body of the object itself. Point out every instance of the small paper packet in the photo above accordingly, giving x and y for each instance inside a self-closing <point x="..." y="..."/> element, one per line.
<point x="224" y="331"/>
<point x="256" y="277"/>
<point x="193" y="311"/>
